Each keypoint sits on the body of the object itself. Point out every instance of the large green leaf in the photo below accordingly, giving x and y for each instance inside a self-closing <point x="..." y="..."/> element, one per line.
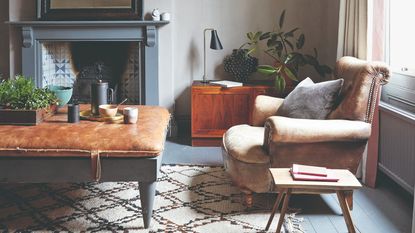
<point x="289" y="44"/>
<point x="267" y="69"/>
<point x="310" y="60"/>
<point x="250" y="35"/>
<point x="323" y="70"/>
<point x="291" y="33"/>
<point x="272" y="41"/>
<point x="279" y="83"/>
<point x="290" y="74"/>
<point x="257" y="36"/>
<point x="290" y="58"/>
<point x="282" y="18"/>
<point x="250" y="51"/>
<point x="279" y="46"/>
<point x="264" y="36"/>
<point x="300" y="41"/>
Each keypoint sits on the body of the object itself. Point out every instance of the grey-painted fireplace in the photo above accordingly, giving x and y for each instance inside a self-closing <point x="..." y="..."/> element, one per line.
<point x="35" y="33"/>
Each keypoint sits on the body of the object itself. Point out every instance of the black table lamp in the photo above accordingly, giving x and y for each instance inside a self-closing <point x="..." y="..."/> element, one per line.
<point x="214" y="44"/>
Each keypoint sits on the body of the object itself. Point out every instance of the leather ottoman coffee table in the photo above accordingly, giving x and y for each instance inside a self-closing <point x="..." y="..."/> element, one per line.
<point x="56" y="151"/>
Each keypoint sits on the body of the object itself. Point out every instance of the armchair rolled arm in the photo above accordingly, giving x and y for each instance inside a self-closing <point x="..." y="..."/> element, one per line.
<point x="291" y="130"/>
<point x="264" y="107"/>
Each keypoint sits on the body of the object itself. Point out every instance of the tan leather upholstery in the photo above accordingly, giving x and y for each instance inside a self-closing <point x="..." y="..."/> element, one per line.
<point x="360" y="89"/>
<point x="290" y="130"/>
<point x="55" y="137"/>
<point x="264" y="107"/>
<point x="249" y="177"/>
<point x="244" y="142"/>
<point x="337" y="142"/>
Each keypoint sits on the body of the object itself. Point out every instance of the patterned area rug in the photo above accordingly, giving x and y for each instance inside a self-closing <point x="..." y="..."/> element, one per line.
<point x="189" y="199"/>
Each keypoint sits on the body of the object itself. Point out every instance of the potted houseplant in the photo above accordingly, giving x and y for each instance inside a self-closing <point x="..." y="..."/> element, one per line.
<point x="285" y="49"/>
<point x="22" y="103"/>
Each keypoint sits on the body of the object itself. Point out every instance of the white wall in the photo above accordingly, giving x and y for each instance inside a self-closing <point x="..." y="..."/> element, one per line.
<point x="181" y="41"/>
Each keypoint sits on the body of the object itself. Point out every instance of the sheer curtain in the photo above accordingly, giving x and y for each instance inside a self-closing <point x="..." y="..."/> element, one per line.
<point x="353" y="40"/>
<point x="353" y="29"/>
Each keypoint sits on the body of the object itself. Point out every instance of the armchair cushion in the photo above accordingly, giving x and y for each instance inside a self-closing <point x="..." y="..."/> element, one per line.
<point x="264" y="107"/>
<point x="290" y="130"/>
<point x="244" y="143"/>
<point x="311" y="100"/>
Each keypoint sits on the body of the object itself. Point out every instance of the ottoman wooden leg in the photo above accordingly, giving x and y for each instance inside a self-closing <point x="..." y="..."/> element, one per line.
<point x="147" y="194"/>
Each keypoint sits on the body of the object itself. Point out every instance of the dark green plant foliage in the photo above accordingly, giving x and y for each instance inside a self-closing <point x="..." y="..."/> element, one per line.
<point x="283" y="46"/>
<point x="21" y="93"/>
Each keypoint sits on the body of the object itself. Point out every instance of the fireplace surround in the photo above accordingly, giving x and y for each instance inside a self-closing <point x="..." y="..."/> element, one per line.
<point x="36" y="35"/>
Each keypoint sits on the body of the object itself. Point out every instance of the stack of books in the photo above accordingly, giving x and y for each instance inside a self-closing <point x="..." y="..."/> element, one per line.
<point x="312" y="173"/>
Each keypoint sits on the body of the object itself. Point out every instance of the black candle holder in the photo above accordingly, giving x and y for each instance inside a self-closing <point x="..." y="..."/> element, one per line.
<point x="73" y="113"/>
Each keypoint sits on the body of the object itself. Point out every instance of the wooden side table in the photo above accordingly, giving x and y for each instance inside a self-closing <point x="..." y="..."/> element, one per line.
<point x="286" y="186"/>
<point x="215" y="109"/>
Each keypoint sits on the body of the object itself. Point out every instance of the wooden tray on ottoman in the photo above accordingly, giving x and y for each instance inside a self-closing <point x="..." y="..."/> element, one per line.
<point x="25" y="117"/>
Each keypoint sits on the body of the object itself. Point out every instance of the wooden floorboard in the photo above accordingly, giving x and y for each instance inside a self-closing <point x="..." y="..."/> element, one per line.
<point x="386" y="209"/>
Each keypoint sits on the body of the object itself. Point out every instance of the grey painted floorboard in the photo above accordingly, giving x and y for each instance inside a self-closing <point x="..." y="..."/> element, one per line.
<point x="322" y="224"/>
<point x="307" y="226"/>
<point x="386" y="209"/>
<point x="178" y="151"/>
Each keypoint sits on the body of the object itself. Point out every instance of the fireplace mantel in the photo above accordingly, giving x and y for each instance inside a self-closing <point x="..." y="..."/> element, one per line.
<point x="36" y="32"/>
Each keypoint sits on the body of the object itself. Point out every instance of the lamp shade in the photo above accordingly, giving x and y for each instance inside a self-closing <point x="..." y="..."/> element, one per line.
<point x="215" y="42"/>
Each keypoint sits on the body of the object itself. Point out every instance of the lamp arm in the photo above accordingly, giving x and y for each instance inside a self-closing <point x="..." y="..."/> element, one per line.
<point x="204" y="53"/>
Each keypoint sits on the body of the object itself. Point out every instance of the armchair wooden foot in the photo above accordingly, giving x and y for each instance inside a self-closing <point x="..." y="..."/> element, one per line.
<point x="249" y="199"/>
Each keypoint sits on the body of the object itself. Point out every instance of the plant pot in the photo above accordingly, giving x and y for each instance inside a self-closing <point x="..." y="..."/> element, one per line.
<point x="63" y="94"/>
<point x="240" y="65"/>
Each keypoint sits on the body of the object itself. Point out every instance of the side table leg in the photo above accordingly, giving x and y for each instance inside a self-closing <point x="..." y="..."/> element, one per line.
<point x="274" y="209"/>
<point x="147" y="194"/>
<point x="283" y="210"/>
<point x="349" y="199"/>
<point x="346" y="211"/>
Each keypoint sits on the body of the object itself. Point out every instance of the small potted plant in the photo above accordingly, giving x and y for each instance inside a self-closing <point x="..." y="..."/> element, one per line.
<point x="22" y="103"/>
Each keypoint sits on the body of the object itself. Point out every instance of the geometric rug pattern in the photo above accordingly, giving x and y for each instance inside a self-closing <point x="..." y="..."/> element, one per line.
<point x="188" y="199"/>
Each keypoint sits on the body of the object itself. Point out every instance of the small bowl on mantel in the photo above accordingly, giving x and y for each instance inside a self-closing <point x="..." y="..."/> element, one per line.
<point x="108" y="110"/>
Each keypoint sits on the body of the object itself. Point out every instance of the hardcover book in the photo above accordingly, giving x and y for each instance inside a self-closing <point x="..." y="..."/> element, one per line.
<point x="331" y="177"/>
<point x="309" y="170"/>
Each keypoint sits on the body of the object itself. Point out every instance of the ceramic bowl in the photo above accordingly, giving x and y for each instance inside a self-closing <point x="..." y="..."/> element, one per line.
<point x="108" y="110"/>
<point x="63" y="93"/>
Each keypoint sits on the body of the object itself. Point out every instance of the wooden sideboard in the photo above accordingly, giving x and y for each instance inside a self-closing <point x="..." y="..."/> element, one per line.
<point x="215" y="109"/>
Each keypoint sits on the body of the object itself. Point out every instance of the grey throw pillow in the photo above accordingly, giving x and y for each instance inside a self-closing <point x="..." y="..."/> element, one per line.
<point x="311" y="100"/>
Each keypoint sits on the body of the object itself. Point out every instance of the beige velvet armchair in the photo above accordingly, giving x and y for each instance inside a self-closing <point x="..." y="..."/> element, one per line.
<point x="337" y="142"/>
